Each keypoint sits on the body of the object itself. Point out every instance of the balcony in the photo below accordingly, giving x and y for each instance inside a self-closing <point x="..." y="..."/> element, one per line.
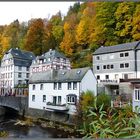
<point x="109" y="82"/>
<point x="57" y="107"/>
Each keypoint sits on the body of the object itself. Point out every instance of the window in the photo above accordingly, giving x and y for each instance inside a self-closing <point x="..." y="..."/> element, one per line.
<point x="19" y="82"/>
<point x="19" y="75"/>
<point x="33" y="98"/>
<point x="121" y="54"/>
<point x="41" y="86"/>
<point x="59" y="100"/>
<point x="74" y="85"/>
<point x="126" y="54"/>
<point x="126" y="65"/>
<point x="104" y="67"/>
<point x="44" y="98"/>
<point x="55" y="86"/>
<point x="98" y="77"/>
<point x="59" y="86"/>
<point x="137" y="94"/>
<point x="19" y="68"/>
<point x="125" y="76"/>
<point x="97" y="58"/>
<point x="107" y="77"/>
<point x="69" y="85"/>
<point x="27" y="68"/>
<point x="71" y="99"/>
<point x="108" y="66"/>
<point x="116" y="76"/>
<point x="98" y="67"/>
<point x="27" y="75"/>
<point x="112" y="66"/>
<point x="33" y="87"/>
<point x="121" y="65"/>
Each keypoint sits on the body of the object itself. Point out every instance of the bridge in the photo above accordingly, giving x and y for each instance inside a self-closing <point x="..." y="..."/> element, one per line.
<point x="19" y="104"/>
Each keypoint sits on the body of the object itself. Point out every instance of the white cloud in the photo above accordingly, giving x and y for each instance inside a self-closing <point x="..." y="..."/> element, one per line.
<point x="24" y="11"/>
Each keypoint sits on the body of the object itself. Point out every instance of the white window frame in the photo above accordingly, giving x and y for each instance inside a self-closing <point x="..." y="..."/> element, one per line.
<point x="41" y="86"/>
<point x="55" y="86"/>
<point x="137" y="94"/>
<point x="44" y="98"/>
<point x="75" y="85"/>
<point x="33" y="98"/>
<point x="70" y="99"/>
<point x="33" y="87"/>
<point x="69" y="85"/>
<point x="59" y="86"/>
<point x="19" y="75"/>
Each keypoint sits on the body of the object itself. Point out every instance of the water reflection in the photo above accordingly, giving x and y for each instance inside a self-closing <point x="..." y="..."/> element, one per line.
<point x="7" y="123"/>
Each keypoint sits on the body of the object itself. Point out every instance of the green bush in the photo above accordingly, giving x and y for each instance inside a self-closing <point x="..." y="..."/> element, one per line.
<point x="111" y="123"/>
<point x="103" y="99"/>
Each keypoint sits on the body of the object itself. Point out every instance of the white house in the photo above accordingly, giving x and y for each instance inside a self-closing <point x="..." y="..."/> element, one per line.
<point x="15" y="66"/>
<point x="59" y="90"/>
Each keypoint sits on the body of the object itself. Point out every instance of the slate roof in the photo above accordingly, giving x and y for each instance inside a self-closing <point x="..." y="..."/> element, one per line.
<point x="50" y="56"/>
<point x="17" y="53"/>
<point x="51" y="76"/>
<point x="117" y="48"/>
<point x="53" y="53"/>
<point x="20" y="57"/>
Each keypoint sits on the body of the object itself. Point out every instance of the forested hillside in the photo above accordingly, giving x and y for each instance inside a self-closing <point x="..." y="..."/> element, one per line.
<point x="86" y="27"/>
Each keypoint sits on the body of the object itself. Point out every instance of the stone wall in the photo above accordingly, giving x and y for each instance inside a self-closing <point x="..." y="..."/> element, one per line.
<point x="21" y="105"/>
<point x="56" y="116"/>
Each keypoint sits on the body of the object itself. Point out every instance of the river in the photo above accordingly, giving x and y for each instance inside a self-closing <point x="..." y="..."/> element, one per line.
<point x="7" y="124"/>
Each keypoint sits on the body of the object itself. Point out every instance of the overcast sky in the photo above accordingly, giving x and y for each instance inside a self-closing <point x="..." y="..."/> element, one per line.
<point x="24" y="11"/>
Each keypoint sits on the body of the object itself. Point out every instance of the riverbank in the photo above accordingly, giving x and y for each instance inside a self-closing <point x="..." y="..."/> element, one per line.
<point x="64" y="130"/>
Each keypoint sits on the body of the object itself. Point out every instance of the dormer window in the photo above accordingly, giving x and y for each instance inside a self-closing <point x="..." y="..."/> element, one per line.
<point x="40" y="61"/>
<point x="49" y="59"/>
<point x="97" y="57"/>
<point x="34" y="61"/>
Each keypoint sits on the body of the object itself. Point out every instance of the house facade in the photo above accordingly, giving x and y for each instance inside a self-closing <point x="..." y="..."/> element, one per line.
<point x="15" y="66"/>
<point x="50" y="60"/>
<point x="115" y="67"/>
<point x="59" y="90"/>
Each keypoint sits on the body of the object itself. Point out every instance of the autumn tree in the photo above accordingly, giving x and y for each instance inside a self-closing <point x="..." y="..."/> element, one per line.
<point x="83" y="28"/>
<point x="35" y="36"/>
<point x="68" y="44"/>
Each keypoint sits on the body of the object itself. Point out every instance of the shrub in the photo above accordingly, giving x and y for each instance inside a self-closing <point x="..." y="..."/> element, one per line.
<point x="86" y="100"/>
<point x="103" y="99"/>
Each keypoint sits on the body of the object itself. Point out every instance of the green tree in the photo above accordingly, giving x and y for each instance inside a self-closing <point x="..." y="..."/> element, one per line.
<point x="102" y="31"/>
<point x="124" y="16"/>
<point x="136" y="24"/>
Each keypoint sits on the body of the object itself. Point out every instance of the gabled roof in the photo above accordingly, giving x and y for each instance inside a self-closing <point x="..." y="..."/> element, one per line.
<point x="20" y="57"/>
<point x="59" y="76"/>
<point x="53" y="53"/>
<point x="117" y="48"/>
<point x="17" y="53"/>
